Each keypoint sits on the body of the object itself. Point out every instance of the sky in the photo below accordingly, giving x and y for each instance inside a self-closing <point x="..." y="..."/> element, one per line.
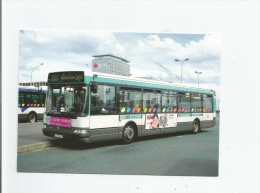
<point x="73" y="50"/>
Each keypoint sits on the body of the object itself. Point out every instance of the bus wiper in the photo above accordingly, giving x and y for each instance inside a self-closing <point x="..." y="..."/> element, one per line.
<point x="52" y="111"/>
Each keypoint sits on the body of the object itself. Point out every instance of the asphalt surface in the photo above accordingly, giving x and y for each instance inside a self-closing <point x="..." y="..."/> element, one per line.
<point x="30" y="137"/>
<point x="179" y="154"/>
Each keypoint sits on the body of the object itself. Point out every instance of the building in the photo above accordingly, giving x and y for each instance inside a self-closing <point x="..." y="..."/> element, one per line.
<point x="111" y="64"/>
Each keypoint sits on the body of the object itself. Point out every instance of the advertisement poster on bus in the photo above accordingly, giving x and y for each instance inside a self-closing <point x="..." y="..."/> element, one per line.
<point x="161" y="121"/>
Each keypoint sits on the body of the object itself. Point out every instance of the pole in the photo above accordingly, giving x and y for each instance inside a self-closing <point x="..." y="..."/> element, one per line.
<point x="33" y="70"/>
<point x="181" y="61"/>
<point x="198" y="80"/>
<point x="181" y="72"/>
<point x="198" y="77"/>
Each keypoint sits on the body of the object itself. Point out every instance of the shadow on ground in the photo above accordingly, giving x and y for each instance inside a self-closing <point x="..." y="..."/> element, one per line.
<point x="80" y="144"/>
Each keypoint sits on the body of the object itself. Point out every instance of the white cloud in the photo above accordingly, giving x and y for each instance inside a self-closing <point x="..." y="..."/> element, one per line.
<point x="72" y="50"/>
<point x="206" y="49"/>
<point x="41" y="73"/>
<point x="119" y="48"/>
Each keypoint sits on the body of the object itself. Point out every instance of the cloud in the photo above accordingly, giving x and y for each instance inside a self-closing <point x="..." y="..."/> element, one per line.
<point x="119" y="48"/>
<point x="72" y="50"/>
<point x="207" y="49"/>
<point x="41" y="73"/>
<point x="55" y="43"/>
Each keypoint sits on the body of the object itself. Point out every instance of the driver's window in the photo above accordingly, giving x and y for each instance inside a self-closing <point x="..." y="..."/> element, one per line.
<point x="78" y="100"/>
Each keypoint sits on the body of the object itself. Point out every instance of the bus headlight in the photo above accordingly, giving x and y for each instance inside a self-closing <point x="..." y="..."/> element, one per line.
<point x="83" y="131"/>
<point x="80" y="131"/>
<point x="46" y="119"/>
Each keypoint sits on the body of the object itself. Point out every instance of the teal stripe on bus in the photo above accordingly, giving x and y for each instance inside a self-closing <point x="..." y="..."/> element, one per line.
<point x="196" y="114"/>
<point x="183" y="114"/>
<point x="124" y="117"/>
<point x="143" y="84"/>
<point x="190" y="114"/>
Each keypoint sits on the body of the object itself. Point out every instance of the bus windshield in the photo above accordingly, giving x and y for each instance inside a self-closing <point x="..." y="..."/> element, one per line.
<point x="67" y="100"/>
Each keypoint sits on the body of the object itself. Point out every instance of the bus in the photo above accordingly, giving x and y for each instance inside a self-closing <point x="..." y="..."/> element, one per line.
<point x="98" y="107"/>
<point x="31" y="103"/>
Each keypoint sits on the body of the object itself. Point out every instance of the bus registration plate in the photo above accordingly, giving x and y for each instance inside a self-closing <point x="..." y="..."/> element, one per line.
<point x="58" y="136"/>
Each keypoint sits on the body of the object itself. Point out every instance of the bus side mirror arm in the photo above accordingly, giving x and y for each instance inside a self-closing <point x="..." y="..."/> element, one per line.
<point x="93" y="87"/>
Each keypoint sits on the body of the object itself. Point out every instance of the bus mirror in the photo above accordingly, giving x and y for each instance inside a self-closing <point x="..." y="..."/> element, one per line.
<point x="94" y="88"/>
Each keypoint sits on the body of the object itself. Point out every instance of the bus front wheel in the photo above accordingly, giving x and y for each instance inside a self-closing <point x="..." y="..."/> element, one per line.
<point x="32" y="117"/>
<point x="129" y="134"/>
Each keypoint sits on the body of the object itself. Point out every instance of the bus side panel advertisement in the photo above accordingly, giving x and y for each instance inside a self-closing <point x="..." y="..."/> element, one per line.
<point x="60" y="121"/>
<point x="161" y="121"/>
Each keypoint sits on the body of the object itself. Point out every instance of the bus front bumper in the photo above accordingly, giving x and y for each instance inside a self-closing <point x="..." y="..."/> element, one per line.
<point x="66" y="133"/>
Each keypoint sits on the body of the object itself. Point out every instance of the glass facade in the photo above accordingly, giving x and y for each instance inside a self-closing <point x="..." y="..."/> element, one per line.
<point x="111" y="64"/>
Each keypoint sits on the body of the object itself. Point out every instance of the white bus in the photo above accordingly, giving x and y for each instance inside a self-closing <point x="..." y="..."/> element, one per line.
<point x="31" y="103"/>
<point x="99" y="107"/>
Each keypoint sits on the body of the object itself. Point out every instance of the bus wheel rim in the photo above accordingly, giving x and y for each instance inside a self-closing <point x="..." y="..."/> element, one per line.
<point x="32" y="118"/>
<point x="195" y="126"/>
<point x="129" y="132"/>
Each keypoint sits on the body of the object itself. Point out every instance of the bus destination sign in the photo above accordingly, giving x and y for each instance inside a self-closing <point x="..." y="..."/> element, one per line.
<point x="66" y="77"/>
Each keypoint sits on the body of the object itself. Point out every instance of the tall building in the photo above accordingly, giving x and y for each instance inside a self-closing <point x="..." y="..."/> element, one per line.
<point x="111" y="64"/>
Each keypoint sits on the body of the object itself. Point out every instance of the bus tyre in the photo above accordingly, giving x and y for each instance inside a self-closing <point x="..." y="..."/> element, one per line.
<point x="129" y="134"/>
<point x="32" y="117"/>
<point x="196" y="126"/>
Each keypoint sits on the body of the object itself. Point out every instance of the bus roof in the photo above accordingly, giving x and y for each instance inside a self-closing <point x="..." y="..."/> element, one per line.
<point x="140" y="82"/>
<point x="76" y="77"/>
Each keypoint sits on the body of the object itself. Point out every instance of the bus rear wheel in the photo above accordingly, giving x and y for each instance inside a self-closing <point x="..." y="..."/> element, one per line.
<point x="129" y="134"/>
<point x="196" y="126"/>
<point x="32" y="117"/>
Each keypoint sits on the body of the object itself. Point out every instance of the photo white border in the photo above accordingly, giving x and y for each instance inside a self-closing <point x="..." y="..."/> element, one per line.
<point x="237" y="22"/>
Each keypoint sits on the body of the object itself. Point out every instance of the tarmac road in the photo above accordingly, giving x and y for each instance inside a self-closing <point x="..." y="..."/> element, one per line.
<point x="181" y="154"/>
<point x="30" y="137"/>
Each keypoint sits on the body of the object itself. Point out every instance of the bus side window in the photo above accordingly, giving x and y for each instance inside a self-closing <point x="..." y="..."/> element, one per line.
<point x="104" y="101"/>
<point x="151" y="101"/>
<point x="130" y="100"/>
<point x="21" y="98"/>
<point x="28" y="99"/>
<point x="196" y="102"/>
<point x="207" y="103"/>
<point x="184" y="102"/>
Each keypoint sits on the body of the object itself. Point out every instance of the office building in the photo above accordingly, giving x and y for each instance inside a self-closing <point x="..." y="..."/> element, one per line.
<point x="111" y="64"/>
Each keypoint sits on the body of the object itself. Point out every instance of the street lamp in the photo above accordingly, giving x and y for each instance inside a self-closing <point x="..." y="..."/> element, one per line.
<point x="181" y="61"/>
<point x="33" y="70"/>
<point x="198" y="77"/>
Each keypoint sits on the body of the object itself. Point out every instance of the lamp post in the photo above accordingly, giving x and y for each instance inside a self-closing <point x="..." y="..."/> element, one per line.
<point x="181" y="61"/>
<point x="33" y="70"/>
<point x="198" y="77"/>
